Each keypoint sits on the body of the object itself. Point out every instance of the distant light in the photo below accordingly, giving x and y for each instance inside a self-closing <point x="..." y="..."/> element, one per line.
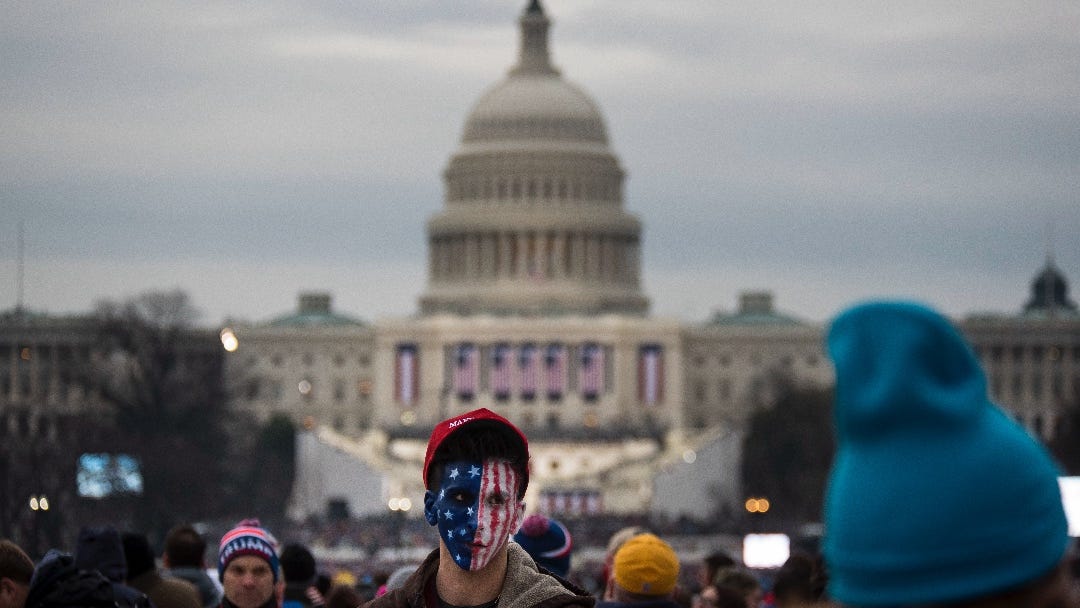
<point x="689" y="456"/>
<point x="399" y="504"/>
<point x="1070" y="498"/>
<point x="766" y="550"/>
<point x="33" y="503"/>
<point x="757" y="505"/>
<point x="304" y="387"/>
<point x="229" y="341"/>
<point x="43" y="502"/>
<point x="408" y="417"/>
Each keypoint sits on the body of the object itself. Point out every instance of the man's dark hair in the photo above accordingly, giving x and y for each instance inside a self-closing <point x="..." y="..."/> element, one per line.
<point x="480" y="441"/>
<point x="137" y="553"/>
<point x="715" y="562"/>
<point x="801" y="578"/>
<point x="185" y="547"/>
<point x="15" y="563"/>
<point x="297" y="564"/>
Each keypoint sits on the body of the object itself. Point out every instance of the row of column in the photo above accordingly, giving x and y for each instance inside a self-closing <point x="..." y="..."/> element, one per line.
<point x="595" y="189"/>
<point x="535" y="255"/>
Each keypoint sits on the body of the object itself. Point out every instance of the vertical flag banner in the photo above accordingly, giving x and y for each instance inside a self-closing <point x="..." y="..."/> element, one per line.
<point x="651" y="374"/>
<point x="591" y="374"/>
<point x="406" y="374"/>
<point x="529" y="364"/>
<point x="466" y="370"/>
<point x="555" y="370"/>
<point x="501" y="370"/>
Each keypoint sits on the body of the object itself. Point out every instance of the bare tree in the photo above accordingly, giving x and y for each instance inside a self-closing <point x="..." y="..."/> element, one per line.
<point x="788" y="450"/>
<point x="163" y="379"/>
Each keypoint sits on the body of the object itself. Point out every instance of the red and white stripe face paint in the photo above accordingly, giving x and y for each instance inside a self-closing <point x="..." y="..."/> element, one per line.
<point x="476" y="510"/>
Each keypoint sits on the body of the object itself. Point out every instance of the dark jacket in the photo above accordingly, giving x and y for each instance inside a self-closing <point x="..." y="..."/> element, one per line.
<point x="58" y="583"/>
<point x="101" y="549"/>
<point x="524" y="586"/>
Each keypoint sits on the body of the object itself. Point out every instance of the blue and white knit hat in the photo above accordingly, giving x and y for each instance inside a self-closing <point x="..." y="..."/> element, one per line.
<point x="935" y="494"/>
<point x="248" y="538"/>
<point x="547" y="541"/>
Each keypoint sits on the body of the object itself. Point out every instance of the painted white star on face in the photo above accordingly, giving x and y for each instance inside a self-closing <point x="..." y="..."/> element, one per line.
<point x="448" y="515"/>
<point x="454" y="473"/>
<point x="442" y="494"/>
<point x="474" y="471"/>
<point x="469" y="511"/>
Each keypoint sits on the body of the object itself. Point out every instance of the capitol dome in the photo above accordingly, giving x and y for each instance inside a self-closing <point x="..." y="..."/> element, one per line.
<point x="533" y="222"/>
<point x="535" y="106"/>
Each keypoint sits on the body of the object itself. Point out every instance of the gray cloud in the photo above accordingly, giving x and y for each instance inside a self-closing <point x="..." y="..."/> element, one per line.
<point x="828" y="153"/>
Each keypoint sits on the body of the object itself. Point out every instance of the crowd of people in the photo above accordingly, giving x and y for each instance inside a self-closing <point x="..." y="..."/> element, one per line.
<point x="936" y="498"/>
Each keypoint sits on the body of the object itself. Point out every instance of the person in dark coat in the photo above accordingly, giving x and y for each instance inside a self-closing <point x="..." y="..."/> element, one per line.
<point x="59" y="583"/>
<point x="476" y="470"/>
<point x="144" y="576"/>
<point x="298" y="568"/>
<point x="100" y="548"/>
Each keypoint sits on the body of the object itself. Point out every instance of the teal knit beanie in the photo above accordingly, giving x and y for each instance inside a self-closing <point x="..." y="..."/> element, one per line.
<point x="935" y="494"/>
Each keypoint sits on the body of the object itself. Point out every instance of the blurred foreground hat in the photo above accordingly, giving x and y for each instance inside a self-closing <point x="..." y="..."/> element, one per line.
<point x="547" y="541"/>
<point x="473" y="419"/>
<point x="935" y="494"/>
<point x="248" y="538"/>
<point x="646" y="565"/>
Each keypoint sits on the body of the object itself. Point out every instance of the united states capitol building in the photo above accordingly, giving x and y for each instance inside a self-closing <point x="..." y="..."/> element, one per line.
<point x="533" y="308"/>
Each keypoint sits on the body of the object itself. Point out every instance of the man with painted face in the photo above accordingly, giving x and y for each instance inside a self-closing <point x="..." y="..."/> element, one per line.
<point x="476" y="470"/>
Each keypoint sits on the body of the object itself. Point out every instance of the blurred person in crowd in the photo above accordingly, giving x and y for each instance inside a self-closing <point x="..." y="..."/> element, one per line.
<point x="710" y="565"/>
<point x="249" y="568"/>
<point x="397" y="578"/>
<point x="343" y="596"/>
<point x="185" y="558"/>
<point x="58" y="582"/>
<point x="742" y="582"/>
<point x="548" y="542"/>
<point x="936" y="496"/>
<point x="617" y="539"/>
<point x="298" y="568"/>
<point x="476" y="471"/>
<point x="142" y="574"/>
<point x="800" y="583"/>
<point x="644" y="574"/>
<point x="16" y="570"/>
<point x="100" y="548"/>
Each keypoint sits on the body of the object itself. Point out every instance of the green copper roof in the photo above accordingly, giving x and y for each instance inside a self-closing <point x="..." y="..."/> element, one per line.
<point x="309" y="319"/>
<point x="755" y="308"/>
<point x="314" y="310"/>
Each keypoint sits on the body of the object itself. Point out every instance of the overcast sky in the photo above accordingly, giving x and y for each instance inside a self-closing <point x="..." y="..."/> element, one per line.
<point x="828" y="152"/>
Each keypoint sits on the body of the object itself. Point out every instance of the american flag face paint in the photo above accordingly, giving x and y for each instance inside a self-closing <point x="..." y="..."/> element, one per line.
<point x="476" y="510"/>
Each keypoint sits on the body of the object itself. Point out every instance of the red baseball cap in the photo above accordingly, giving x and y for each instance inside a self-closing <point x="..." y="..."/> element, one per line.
<point x="448" y="427"/>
